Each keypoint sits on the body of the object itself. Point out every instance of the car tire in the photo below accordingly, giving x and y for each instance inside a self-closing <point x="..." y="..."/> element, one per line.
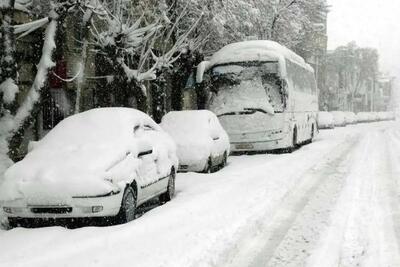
<point x="127" y="211"/>
<point x="167" y="196"/>
<point x="312" y="133"/>
<point x="208" y="168"/>
<point x="14" y="223"/>
<point x="21" y="222"/>
<point x="224" y="160"/>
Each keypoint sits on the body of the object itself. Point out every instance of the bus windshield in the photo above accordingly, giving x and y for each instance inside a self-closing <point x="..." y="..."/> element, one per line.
<point x="240" y="88"/>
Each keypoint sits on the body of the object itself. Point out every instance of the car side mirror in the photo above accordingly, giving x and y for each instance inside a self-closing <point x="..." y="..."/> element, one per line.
<point x="214" y="135"/>
<point x="136" y="128"/>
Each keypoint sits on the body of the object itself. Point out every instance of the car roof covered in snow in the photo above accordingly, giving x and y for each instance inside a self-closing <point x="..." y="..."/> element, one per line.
<point x="97" y="126"/>
<point x="258" y="50"/>
<point x="188" y="118"/>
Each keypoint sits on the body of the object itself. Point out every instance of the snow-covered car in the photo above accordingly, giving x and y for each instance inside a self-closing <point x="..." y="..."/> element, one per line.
<point x="391" y="115"/>
<point x="374" y="116"/>
<point x="202" y="143"/>
<point x="325" y="120"/>
<point x="383" y="116"/>
<point x="100" y="163"/>
<point x="363" y="117"/>
<point x="339" y="118"/>
<point x="350" y="117"/>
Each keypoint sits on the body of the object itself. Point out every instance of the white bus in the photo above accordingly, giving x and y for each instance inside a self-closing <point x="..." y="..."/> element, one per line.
<point x="264" y="94"/>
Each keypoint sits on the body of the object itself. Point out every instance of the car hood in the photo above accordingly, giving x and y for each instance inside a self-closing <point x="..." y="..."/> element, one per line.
<point x="62" y="173"/>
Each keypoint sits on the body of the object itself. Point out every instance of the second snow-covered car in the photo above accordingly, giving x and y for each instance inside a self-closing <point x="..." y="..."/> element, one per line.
<point x="100" y="163"/>
<point x="325" y="120"/>
<point x="202" y="143"/>
<point x="339" y="118"/>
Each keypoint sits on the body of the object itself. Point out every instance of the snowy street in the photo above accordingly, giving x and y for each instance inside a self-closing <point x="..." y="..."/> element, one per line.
<point x="332" y="203"/>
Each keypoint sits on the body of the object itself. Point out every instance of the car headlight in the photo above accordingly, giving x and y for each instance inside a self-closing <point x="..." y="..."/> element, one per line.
<point x="12" y="210"/>
<point x="7" y="210"/>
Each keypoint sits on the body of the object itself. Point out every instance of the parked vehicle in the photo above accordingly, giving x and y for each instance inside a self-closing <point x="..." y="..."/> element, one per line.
<point x="202" y="143"/>
<point x="363" y="117"/>
<point x="350" y="117"/>
<point x="339" y="118"/>
<point x="264" y="94"/>
<point x="325" y="120"/>
<point x="100" y="163"/>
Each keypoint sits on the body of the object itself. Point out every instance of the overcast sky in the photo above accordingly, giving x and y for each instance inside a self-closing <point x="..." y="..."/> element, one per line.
<point x="371" y="23"/>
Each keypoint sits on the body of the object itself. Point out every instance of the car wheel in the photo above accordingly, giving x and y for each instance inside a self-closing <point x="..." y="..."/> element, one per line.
<point x="224" y="160"/>
<point x="127" y="212"/>
<point x="167" y="196"/>
<point x="208" y="168"/>
<point x="312" y="133"/>
<point x="20" y="222"/>
<point x="14" y="223"/>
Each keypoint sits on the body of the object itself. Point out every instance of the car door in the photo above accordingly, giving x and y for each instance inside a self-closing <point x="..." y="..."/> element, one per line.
<point x="147" y="171"/>
<point x="215" y="134"/>
<point x="160" y="180"/>
<point x="147" y="176"/>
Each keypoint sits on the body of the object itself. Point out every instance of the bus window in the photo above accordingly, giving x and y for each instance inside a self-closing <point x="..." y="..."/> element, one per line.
<point x="274" y="88"/>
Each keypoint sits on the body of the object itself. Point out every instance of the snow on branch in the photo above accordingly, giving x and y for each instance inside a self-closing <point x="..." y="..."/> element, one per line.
<point x="9" y="90"/>
<point x="27" y="28"/>
<point x="143" y="39"/>
<point x="44" y="65"/>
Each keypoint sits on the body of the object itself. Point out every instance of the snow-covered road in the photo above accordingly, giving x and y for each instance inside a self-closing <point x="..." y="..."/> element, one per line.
<point x="332" y="203"/>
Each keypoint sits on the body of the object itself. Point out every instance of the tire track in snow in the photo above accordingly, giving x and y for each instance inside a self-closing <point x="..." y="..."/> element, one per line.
<point x="361" y="232"/>
<point x="263" y="247"/>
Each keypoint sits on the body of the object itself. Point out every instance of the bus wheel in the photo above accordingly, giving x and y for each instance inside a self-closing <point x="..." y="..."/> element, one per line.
<point x="294" y="141"/>
<point x="312" y="133"/>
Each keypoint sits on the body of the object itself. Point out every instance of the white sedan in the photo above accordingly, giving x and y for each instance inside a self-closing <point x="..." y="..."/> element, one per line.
<point x="100" y="163"/>
<point x="202" y="143"/>
<point x="339" y="118"/>
<point x="325" y="120"/>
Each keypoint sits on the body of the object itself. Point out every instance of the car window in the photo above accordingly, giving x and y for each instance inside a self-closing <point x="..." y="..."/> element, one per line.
<point x="214" y="125"/>
<point x="147" y="127"/>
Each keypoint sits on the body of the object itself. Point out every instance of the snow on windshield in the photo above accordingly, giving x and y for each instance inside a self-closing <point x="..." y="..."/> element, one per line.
<point x="239" y="88"/>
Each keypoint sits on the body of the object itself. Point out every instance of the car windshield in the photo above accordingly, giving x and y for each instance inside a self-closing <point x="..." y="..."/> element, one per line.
<point x="246" y="89"/>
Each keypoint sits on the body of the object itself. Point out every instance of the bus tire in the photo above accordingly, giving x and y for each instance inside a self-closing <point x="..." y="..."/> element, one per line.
<point x="293" y="146"/>
<point x="312" y="133"/>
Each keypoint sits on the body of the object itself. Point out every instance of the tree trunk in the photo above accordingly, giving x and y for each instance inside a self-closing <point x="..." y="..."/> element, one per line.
<point x="8" y="65"/>
<point x="13" y="126"/>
